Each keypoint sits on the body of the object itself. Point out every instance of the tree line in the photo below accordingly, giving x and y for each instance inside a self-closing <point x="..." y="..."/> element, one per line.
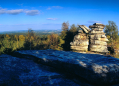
<point x="31" y="41"/>
<point x="11" y="43"/>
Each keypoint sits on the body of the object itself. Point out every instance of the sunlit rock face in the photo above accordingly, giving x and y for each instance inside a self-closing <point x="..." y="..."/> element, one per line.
<point x="95" y="69"/>
<point x="92" y="40"/>
<point x="80" y="42"/>
<point x="98" y="40"/>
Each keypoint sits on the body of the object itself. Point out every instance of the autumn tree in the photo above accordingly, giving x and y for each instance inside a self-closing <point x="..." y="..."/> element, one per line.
<point x="65" y="26"/>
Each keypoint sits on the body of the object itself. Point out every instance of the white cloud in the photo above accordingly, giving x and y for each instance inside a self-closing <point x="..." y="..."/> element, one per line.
<point x="93" y="21"/>
<point x="55" y="7"/>
<point x="18" y="11"/>
<point x="2" y="11"/>
<point x="32" y="12"/>
<point x="51" y="18"/>
<point x="14" y="12"/>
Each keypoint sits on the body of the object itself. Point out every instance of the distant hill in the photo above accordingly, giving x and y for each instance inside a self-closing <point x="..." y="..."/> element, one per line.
<point x="37" y="32"/>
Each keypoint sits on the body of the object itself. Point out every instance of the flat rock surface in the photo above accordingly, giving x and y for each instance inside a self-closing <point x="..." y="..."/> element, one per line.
<point x="96" y="69"/>
<point x="23" y="72"/>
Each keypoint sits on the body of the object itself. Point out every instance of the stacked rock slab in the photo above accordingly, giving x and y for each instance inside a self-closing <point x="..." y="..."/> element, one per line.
<point x="98" y="40"/>
<point x="80" y="42"/>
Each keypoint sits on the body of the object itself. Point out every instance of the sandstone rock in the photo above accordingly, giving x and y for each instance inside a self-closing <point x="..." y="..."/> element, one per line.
<point x="97" y="38"/>
<point x="99" y="24"/>
<point x="96" y="26"/>
<point x="98" y="42"/>
<point x="79" y="48"/>
<point x="96" y="69"/>
<point x="96" y="32"/>
<point x="103" y="39"/>
<point x="84" y="28"/>
<point x="97" y="29"/>
<point x="98" y="46"/>
<point x="80" y="42"/>
<point x="100" y="50"/>
<point x="80" y="31"/>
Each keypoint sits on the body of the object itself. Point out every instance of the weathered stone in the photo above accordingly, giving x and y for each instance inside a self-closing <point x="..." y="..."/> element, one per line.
<point x="98" y="42"/>
<point x="96" y="69"/>
<point x="16" y="71"/>
<point x="80" y="31"/>
<point x="96" y="32"/>
<point x="84" y="28"/>
<point x="80" y="42"/>
<point x="103" y="39"/>
<point x="98" y="46"/>
<point x="99" y="24"/>
<point x="96" y="26"/>
<point x="101" y="50"/>
<point x="82" y="48"/>
<point x="96" y="29"/>
<point x="96" y="37"/>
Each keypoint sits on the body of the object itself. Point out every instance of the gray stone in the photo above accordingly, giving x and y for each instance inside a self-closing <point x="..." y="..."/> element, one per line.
<point x="96" y="69"/>
<point x="21" y="71"/>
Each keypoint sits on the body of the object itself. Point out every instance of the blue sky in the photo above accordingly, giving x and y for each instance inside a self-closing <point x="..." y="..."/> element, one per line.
<point x="50" y="14"/>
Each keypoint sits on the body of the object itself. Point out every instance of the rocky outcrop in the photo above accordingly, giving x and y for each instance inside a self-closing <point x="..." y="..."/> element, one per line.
<point x="16" y="71"/>
<point x="98" y="40"/>
<point x="95" y="69"/>
<point x="95" y="39"/>
<point x="84" y="28"/>
<point x="80" y="42"/>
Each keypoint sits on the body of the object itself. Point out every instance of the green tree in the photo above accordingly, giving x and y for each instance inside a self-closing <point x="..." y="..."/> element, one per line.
<point x="111" y="31"/>
<point x="67" y="35"/>
<point x="73" y="29"/>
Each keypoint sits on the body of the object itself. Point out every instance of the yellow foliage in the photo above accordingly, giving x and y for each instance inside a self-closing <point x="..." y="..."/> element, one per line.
<point x="32" y="38"/>
<point x="21" y="38"/>
<point x="7" y="36"/>
<point x="108" y="37"/>
<point x="16" y="37"/>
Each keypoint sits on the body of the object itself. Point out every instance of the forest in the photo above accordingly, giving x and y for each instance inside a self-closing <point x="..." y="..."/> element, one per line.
<point x="32" y="41"/>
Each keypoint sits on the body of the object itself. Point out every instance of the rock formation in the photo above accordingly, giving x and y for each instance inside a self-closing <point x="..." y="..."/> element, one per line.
<point x="98" y="40"/>
<point x="94" y="68"/>
<point x="81" y="42"/>
<point x="94" y="40"/>
<point x="57" y="68"/>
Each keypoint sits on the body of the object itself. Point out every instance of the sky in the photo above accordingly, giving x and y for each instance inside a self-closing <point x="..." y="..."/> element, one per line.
<point x="18" y="15"/>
